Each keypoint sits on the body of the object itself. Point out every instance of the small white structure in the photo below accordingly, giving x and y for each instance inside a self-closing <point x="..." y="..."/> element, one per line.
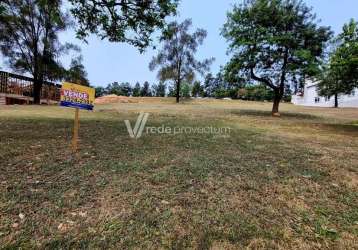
<point x="310" y="97"/>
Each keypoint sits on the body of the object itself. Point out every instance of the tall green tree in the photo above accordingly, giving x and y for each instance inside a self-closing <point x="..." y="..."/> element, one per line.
<point x="136" y="90"/>
<point x="185" y="90"/>
<point x="209" y="85"/>
<point x="160" y="89"/>
<point x="2" y="8"/>
<point x="176" y="60"/>
<point x="197" y="90"/>
<point x="130" y="22"/>
<point x="114" y="89"/>
<point x="340" y="76"/>
<point x="126" y="89"/>
<point x="171" y="91"/>
<point x="77" y="72"/>
<point x="275" y="42"/>
<point x="100" y="91"/>
<point x="218" y="87"/>
<point x="29" y="39"/>
<point x="145" y="91"/>
<point x="120" y="89"/>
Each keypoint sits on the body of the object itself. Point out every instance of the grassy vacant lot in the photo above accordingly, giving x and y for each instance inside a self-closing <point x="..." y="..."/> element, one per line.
<point x="273" y="183"/>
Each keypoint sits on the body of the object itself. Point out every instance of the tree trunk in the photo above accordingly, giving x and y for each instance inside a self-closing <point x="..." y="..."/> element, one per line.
<point x="37" y="79"/>
<point x="276" y="103"/>
<point x="178" y="80"/>
<point x="336" y="100"/>
<point x="37" y="91"/>
<point x="178" y="92"/>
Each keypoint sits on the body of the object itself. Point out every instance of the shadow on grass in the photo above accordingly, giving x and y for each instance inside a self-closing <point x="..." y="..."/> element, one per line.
<point x="341" y="128"/>
<point x="262" y="113"/>
<point x="349" y="129"/>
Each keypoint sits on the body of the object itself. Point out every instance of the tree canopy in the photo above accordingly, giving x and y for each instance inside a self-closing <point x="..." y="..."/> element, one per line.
<point x="197" y="90"/>
<point x="29" y="38"/>
<point x="340" y="76"/>
<point x="145" y="90"/>
<point x="176" y="59"/>
<point x="136" y="90"/>
<point x="77" y="72"/>
<point x="275" y="42"/>
<point x="159" y="89"/>
<point x="130" y="22"/>
<point x="120" y="89"/>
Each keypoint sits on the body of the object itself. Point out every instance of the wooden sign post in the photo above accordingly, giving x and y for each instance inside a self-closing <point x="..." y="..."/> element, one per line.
<point x="76" y="127"/>
<point x="78" y="97"/>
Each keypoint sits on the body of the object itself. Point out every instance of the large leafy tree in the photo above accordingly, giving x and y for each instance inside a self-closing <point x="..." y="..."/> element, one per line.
<point x="131" y="21"/>
<point x="176" y="59"/>
<point x="340" y="76"/>
<point x="29" y="39"/>
<point x="275" y="42"/>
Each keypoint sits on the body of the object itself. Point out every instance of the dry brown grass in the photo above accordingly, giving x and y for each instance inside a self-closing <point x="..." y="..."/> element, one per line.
<point x="274" y="183"/>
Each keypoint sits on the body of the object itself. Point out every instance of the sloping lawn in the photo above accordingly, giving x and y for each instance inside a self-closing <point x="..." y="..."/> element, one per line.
<point x="271" y="183"/>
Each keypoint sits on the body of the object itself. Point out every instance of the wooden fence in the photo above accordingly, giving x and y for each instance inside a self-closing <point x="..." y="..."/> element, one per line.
<point x="18" y="86"/>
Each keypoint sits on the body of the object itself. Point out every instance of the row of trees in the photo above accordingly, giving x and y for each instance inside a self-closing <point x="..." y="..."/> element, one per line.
<point x="216" y="87"/>
<point x="125" y="89"/>
<point x="275" y="43"/>
<point x="213" y="87"/>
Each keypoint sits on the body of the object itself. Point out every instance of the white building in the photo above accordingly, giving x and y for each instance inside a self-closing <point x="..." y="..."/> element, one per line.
<point x="310" y="97"/>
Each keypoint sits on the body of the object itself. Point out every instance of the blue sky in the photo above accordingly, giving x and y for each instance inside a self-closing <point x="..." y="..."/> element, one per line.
<point x="107" y="62"/>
